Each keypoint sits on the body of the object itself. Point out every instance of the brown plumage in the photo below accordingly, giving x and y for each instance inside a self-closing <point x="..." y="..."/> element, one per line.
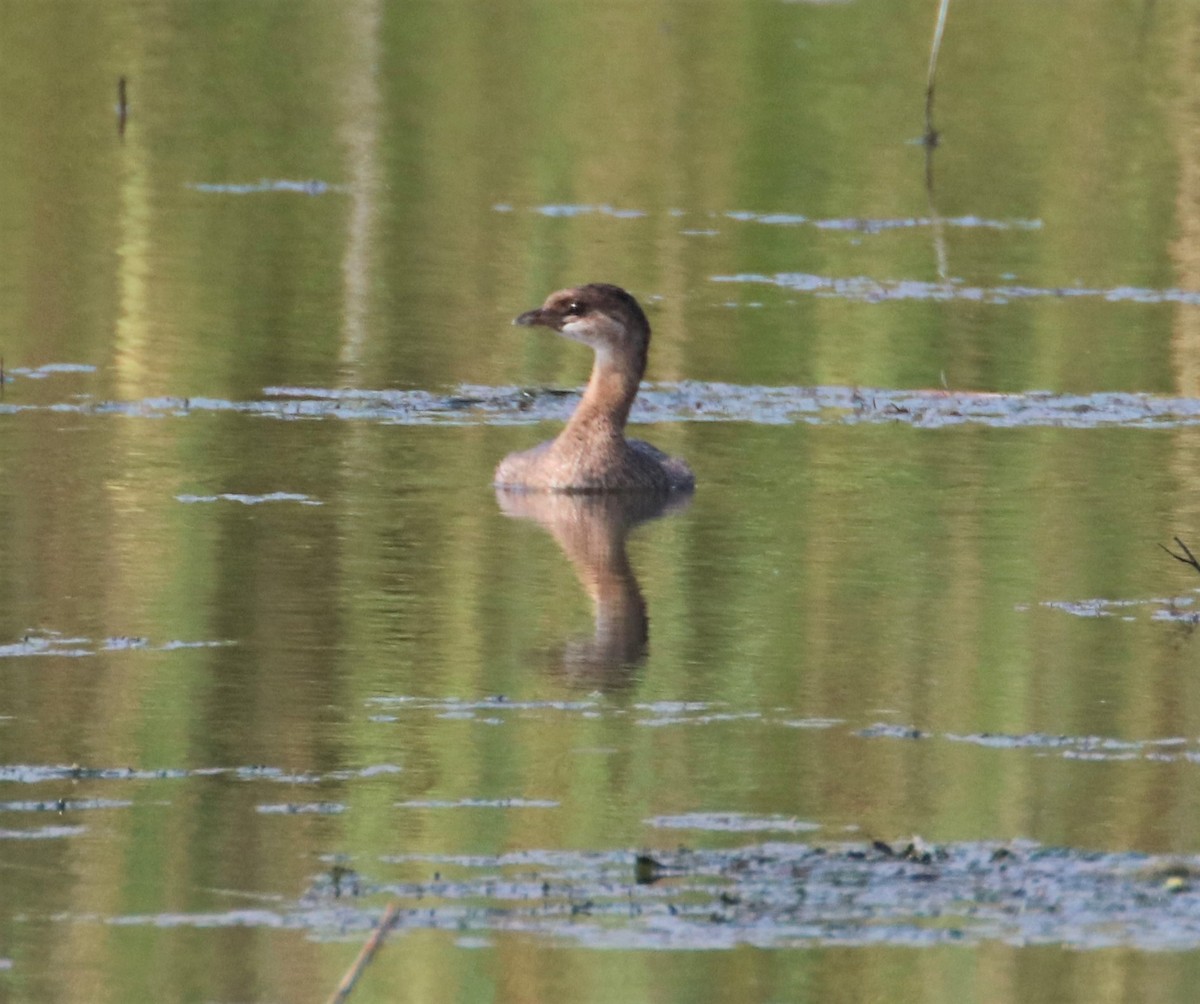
<point x="592" y="454"/>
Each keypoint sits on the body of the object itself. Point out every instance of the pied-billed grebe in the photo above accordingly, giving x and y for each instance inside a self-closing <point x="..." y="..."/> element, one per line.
<point x="592" y="454"/>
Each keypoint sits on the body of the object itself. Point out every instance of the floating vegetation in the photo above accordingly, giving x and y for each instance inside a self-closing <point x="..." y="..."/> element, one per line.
<point x="48" y="370"/>
<point x="43" y="773"/>
<point x="868" y="290"/>
<point x="43" y="833"/>
<point x="268" y="185"/>
<point x="886" y="730"/>
<point x="1176" y="609"/>
<point x="717" y="715"/>
<point x="682" y="401"/>
<point x="251" y="499"/>
<point x="1169" y="749"/>
<point x="731" y="822"/>
<point x="301" y="809"/>
<point x="54" y="643"/>
<point x="61" y="805"/>
<point x="768" y="895"/>
<point x="855" y="224"/>
<point x="479" y="803"/>
<point x="498" y="702"/>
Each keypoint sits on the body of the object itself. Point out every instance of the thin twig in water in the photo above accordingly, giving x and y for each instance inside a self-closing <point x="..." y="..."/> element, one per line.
<point x="931" y="134"/>
<point x="364" y="956"/>
<point x="1189" y="560"/>
<point x="122" y="106"/>
<point x="930" y="143"/>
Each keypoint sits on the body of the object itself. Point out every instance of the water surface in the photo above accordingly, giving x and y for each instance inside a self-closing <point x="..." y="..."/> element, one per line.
<point x="901" y="704"/>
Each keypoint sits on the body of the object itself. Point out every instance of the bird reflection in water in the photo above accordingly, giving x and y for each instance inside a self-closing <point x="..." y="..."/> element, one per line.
<point x="592" y="530"/>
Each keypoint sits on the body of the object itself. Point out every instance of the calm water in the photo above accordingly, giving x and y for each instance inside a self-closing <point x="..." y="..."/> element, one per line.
<point x="273" y="654"/>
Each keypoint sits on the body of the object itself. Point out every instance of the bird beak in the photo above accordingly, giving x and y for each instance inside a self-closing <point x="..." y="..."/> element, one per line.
<point x="540" y="316"/>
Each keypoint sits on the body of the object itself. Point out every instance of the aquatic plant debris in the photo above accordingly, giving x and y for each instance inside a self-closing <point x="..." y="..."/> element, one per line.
<point x="731" y="822"/>
<point x="856" y="224"/>
<point x="766" y="895"/>
<point x="311" y="186"/>
<point x="479" y="803"/>
<point x="251" y="499"/>
<point x="868" y="290"/>
<point x="716" y="714"/>
<point x="1174" y="609"/>
<point x="44" y="642"/>
<point x="43" y="833"/>
<point x="43" y="773"/>
<point x="46" y="370"/>
<point x="302" y="809"/>
<point x="682" y="401"/>
<point x="61" y="805"/>
<point x="1168" y="749"/>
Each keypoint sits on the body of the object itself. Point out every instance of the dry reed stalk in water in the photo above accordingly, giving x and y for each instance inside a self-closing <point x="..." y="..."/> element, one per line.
<point x="931" y="134"/>
<point x="364" y="956"/>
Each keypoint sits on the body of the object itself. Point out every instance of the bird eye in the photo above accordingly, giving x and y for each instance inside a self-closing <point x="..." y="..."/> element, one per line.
<point x="575" y="309"/>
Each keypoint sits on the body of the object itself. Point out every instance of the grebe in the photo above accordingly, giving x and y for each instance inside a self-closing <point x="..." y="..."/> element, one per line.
<point x="592" y="454"/>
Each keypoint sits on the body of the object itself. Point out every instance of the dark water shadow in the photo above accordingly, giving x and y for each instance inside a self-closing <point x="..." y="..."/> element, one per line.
<point x="592" y="531"/>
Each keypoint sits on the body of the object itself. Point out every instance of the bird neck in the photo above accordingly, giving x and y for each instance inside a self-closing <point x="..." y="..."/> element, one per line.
<point x="609" y="396"/>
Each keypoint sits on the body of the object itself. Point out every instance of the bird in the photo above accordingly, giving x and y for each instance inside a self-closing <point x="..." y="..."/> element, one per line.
<point x="591" y="454"/>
